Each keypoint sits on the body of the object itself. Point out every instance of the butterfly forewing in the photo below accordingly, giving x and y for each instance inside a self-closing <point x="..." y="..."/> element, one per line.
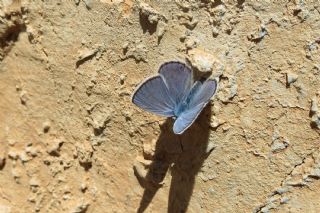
<point x="153" y="96"/>
<point x="178" y="78"/>
<point x="199" y="97"/>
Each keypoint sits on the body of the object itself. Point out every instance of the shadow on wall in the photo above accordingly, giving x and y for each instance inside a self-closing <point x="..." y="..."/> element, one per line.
<point x="184" y="163"/>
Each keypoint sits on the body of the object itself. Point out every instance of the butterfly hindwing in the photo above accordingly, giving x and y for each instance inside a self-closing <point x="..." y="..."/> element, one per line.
<point x="178" y="78"/>
<point x="199" y="97"/>
<point x="186" y="119"/>
<point x="153" y="96"/>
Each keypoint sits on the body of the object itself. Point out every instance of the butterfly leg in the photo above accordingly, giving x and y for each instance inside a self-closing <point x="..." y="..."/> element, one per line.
<point x="180" y="141"/>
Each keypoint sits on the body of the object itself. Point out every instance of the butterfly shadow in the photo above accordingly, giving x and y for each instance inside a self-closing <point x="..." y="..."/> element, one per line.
<point x="182" y="155"/>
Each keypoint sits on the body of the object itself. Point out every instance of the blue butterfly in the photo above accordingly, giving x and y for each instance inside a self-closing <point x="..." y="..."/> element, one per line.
<point x="172" y="93"/>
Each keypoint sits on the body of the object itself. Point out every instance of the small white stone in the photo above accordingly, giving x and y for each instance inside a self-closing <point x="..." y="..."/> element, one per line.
<point x="12" y="142"/>
<point x="34" y="182"/>
<point x="2" y="161"/>
<point x="86" y="53"/>
<point x="149" y="149"/>
<point x="215" y="31"/>
<point x="153" y="15"/>
<point x="13" y="155"/>
<point x="81" y="208"/>
<point x="316" y="172"/>
<point x="31" y="151"/>
<point x="5" y="209"/>
<point x="314" y="105"/>
<point x="282" y="190"/>
<point x="88" y="4"/>
<point x="284" y="200"/>
<point x="24" y="97"/>
<point x="203" y="177"/>
<point x="24" y="157"/>
<point x="315" y="119"/>
<point x="210" y="147"/>
<point x="54" y="146"/>
<point x="83" y="187"/>
<point x="191" y="42"/>
<point x="205" y="62"/>
<point x="291" y="78"/>
<point x="46" y="126"/>
<point x="161" y="28"/>
<point x="122" y="78"/>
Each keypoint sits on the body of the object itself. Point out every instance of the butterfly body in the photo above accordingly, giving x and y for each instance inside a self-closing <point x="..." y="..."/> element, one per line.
<point x="173" y="93"/>
<point x="180" y="108"/>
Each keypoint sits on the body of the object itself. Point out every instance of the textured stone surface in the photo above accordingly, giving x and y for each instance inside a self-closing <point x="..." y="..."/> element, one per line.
<point x="71" y="141"/>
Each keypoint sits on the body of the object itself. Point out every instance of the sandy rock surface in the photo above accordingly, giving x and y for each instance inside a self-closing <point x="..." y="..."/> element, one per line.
<point x="71" y="140"/>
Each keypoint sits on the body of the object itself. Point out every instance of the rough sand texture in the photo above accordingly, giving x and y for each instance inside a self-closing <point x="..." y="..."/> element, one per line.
<point x="71" y="140"/>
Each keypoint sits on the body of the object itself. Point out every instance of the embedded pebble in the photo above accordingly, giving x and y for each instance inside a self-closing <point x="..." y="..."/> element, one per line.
<point x="85" y="54"/>
<point x="125" y="46"/>
<point x="122" y="78"/>
<point x="189" y="22"/>
<point x="215" y="122"/>
<point x="99" y="119"/>
<point x="88" y="4"/>
<point x="139" y="167"/>
<point x="205" y="62"/>
<point x="32" y="151"/>
<point x="13" y="155"/>
<point x="210" y="147"/>
<point x="203" y="177"/>
<point x="139" y="53"/>
<point x="34" y="182"/>
<point x="277" y="146"/>
<point x="218" y="13"/>
<point x="24" y="97"/>
<point x="153" y="15"/>
<point x="11" y="142"/>
<point x="46" y="126"/>
<point x="315" y="172"/>
<point x="81" y="208"/>
<point x="314" y="105"/>
<point x="284" y="200"/>
<point x="83" y="187"/>
<point x="291" y="78"/>
<point x="149" y="149"/>
<point x="301" y="13"/>
<point x="84" y="154"/>
<point x="161" y="29"/>
<point x="227" y="88"/>
<point x="2" y="162"/>
<point x="315" y="120"/>
<point x="278" y="142"/>
<point x="315" y="115"/>
<point x="282" y="190"/>
<point x="16" y="174"/>
<point x="191" y="42"/>
<point x="215" y="31"/>
<point x="258" y="35"/>
<point x="24" y="157"/>
<point x="54" y="147"/>
<point x="5" y="209"/>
